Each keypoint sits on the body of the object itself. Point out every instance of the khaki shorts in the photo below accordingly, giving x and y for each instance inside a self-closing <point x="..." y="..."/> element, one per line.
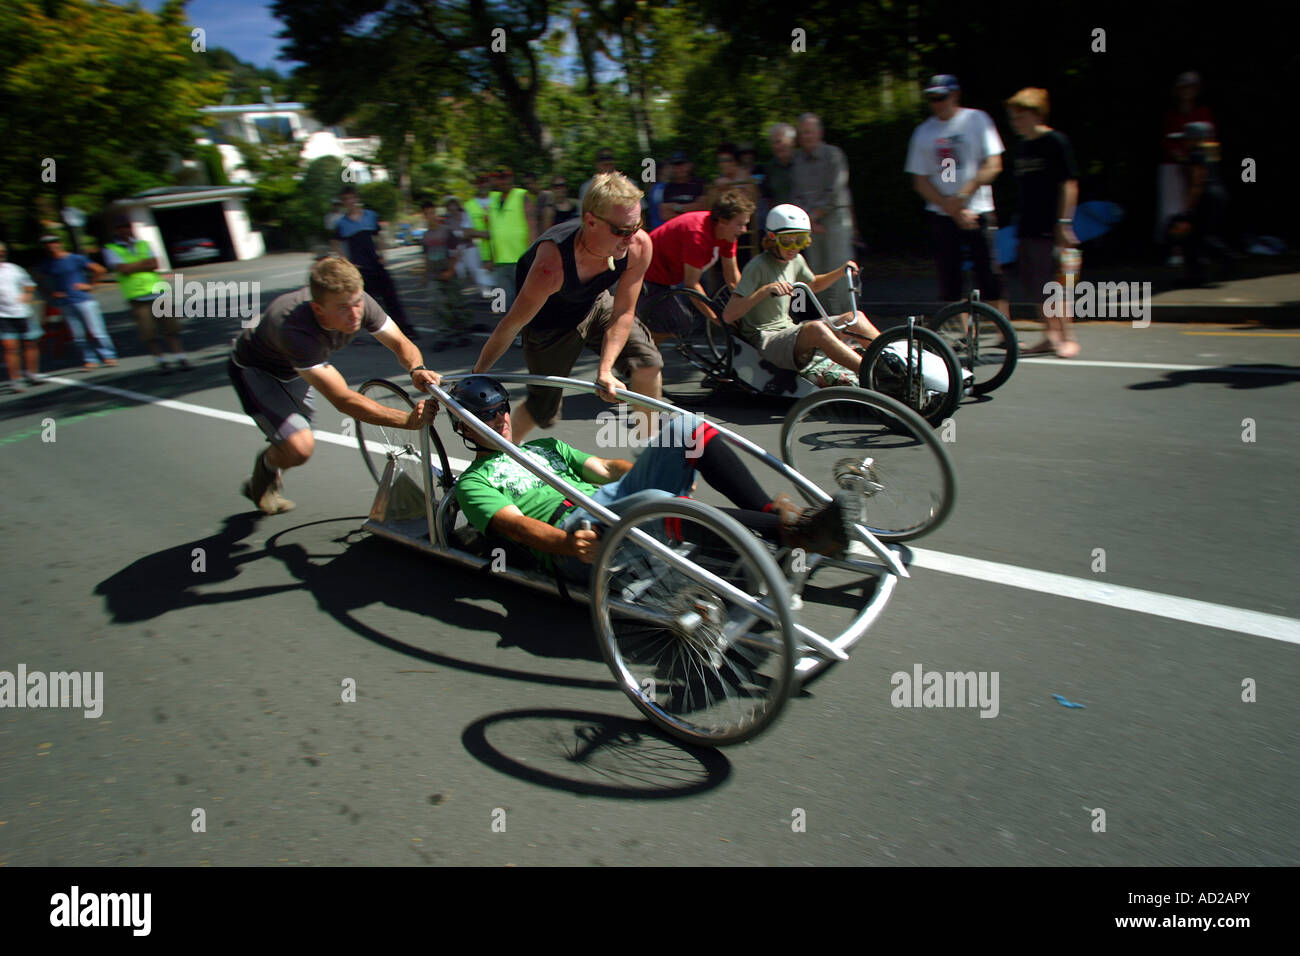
<point x="554" y="352"/>
<point x="147" y="324"/>
<point x="778" y="347"/>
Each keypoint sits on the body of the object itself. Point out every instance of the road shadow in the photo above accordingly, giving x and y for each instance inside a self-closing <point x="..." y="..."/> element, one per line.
<point x="594" y="754"/>
<point x="168" y="580"/>
<point x="370" y="571"/>
<point x="1235" y="376"/>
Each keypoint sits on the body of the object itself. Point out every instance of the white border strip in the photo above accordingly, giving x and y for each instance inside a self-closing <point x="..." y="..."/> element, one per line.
<point x="1273" y="626"/>
<point x="1235" y="369"/>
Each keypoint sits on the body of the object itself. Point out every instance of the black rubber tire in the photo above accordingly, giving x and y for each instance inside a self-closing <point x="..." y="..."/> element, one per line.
<point x="758" y="667"/>
<point x="937" y="407"/>
<point x="904" y="480"/>
<point x="991" y="329"/>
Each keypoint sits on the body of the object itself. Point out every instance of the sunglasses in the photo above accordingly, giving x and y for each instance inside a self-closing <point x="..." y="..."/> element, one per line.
<point x="794" y="240"/>
<point x="623" y="232"/>
<point x="489" y="415"/>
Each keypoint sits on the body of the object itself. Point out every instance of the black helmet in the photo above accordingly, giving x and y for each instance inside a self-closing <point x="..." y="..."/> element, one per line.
<point x="481" y="396"/>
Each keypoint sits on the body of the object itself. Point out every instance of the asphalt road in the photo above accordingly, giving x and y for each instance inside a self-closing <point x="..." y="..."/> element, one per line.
<point x="487" y="731"/>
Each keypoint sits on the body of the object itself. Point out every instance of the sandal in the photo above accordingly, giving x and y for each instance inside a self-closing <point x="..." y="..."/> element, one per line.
<point x="1042" y="348"/>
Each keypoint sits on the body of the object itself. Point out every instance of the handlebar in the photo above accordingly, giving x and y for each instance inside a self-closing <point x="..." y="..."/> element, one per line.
<point x="853" y="301"/>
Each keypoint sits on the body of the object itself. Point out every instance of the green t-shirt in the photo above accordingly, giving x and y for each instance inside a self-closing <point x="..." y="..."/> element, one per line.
<point x="773" y="312"/>
<point x="490" y="484"/>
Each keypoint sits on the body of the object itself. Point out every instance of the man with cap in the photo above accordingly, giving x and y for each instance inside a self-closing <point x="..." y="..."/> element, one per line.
<point x="953" y="157"/>
<point x="65" y="273"/>
<point x="683" y="192"/>
<point x="135" y="267"/>
<point x="511" y="214"/>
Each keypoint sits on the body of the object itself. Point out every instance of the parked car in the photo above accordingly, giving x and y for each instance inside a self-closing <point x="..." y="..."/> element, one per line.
<point x="194" y="250"/>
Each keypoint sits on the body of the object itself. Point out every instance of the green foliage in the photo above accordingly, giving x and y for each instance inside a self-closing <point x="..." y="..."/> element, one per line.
<point x="77" y="90"/>
<point x="381" y="197"/>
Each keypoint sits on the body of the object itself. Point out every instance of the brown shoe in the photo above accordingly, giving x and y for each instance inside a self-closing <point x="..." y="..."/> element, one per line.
<point x="263" y="489"/>
<point x="824" y="529"/>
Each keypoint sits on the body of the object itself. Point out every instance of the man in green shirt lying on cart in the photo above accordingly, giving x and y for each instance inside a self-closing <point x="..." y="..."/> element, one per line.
<point x="499" y="496"/>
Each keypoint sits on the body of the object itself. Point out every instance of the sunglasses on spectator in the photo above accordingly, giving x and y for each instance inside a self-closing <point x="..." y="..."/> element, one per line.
<point x="793" y="240"/>
<point x="623" y="232"/>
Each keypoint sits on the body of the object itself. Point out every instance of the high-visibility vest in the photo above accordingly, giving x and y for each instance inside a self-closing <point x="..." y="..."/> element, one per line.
<point x="509" y="226"/>
<point x="478" y="220"/>
<point x="137" y="285"/>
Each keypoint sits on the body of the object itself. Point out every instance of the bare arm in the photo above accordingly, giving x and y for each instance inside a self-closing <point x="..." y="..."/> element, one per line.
<point x="327" y="380"/>
<point x="392" y="338"/>
<point x="600" y="471"/>
<point x="629" y="287"/>
<point x="512" y="523"/>
<point x="544" y="279"/>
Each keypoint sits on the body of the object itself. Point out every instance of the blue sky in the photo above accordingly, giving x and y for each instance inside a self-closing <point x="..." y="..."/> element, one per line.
<point x="244" y="27"/>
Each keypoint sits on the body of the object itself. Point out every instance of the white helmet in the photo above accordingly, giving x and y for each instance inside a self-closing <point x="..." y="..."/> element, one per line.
<point x="788" y="217"/>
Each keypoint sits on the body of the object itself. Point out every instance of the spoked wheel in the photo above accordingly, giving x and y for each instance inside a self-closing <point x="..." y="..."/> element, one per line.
<point x="705" y="653"/>
<point x="703" y="341"/>
<point x="861" y="441"/>
<point x="915" y="366"/>
<point x="380" y="442"/>
<point x="985" y="342"/>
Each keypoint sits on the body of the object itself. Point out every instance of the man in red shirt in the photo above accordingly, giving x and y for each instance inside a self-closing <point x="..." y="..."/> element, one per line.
<point x="684" y="247"/>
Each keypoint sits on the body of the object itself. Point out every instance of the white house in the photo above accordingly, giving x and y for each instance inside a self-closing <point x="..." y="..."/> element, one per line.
<point x="272" y="122"/>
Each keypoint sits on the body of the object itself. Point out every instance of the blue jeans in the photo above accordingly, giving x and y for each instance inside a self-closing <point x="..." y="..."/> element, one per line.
<point x="666" y="469"/>
<point x="83" y="317"/>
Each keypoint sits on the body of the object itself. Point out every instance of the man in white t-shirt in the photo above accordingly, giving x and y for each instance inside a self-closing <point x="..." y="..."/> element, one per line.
<point x="954" y="157"/>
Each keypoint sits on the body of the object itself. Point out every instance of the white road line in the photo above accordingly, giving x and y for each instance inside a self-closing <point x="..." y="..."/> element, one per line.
<point x="1165" y="366"/>
<point x="1273" y="626"/>
<point x="1257" y="623"/>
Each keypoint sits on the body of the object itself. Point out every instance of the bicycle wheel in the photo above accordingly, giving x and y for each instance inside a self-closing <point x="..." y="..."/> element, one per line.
<point x="986" y="343"/>
<point x="924" y="375"/>
<point x="701" y="340"/>
<point x="710" y="664"/>
<point x="856" y="440"/>
<point x="380" y="442"/>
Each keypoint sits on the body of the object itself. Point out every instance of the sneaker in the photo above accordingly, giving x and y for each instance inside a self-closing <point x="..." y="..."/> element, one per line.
<point x="35" y="378"/>
<point x="825" y="529"/>
<point x="184" y="365"/>
<point x="110" y="363"/>
<point x="17" y="385"/>
<point x="89" y="366"/>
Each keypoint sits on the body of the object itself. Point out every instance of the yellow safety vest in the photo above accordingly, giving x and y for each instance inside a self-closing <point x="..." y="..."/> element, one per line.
<point x="478" y="219"/>
<point x="137" y="285"/>
<point x="509" y="225"/>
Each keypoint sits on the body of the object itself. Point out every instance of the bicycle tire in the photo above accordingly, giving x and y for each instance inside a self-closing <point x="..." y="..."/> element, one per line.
<point x="832" y="435"/>
<point x="695" y="662"/>
<point x="878" y="374"/>
<point x="992" y="336"/>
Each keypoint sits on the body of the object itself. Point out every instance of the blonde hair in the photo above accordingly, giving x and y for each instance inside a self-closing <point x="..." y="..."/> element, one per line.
<point x="1031" y="98"/>
<point x="608" y="190"/>
<point x="331" y="275"/>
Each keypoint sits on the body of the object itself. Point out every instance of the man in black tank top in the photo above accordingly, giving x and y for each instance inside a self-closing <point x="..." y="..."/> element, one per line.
<point x="565" y="303"/>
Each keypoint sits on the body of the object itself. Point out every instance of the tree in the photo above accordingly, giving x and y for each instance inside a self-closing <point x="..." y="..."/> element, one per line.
<point x="87" y="118"/>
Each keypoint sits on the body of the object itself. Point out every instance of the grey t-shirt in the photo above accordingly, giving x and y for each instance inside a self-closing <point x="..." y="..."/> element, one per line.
<point x="772" y="313"/>
<point x="287" y="337"/>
